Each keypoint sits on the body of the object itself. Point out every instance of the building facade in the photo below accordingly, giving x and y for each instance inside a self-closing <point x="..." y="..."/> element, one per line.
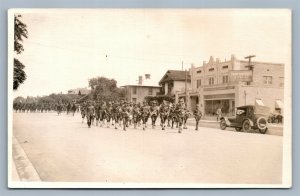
<point x="233" y="83"/>
<point x="137" y="93"/>
<point x="173" y="81"/>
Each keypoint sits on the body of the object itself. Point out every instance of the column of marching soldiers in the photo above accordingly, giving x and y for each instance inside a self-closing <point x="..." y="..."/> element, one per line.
<point x="124" y="114"/>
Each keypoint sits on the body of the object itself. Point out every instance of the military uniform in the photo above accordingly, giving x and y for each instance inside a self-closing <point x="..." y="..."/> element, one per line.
<point x="163" y="113"/>
<point x="154" y="109"/>
<point x="89" y="111"/>
<point x="197" y="114"/>
<point x="145" y="114"/>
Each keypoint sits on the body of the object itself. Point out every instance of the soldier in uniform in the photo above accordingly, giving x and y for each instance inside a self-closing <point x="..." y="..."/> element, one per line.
<point x="82" y="110"/>
<point x="187" y="114"/>
<point x="97" y="112"/>
<point x="197" y="114"/>
<point x="163" y="113"/>
<point x="126" y="115"/>
<point x="89" y="112"/>
<point x="102" y="113"/>
<point x="59" y="108"/>
<point x="180" y="113"/>
<point x="136" y="114"/>
<point x="145" y="114"/>
<point x="154" y="109"/>
<point x="108" y="114"/>
<point x="73" y="108"/>
<point x="116" y="113"/>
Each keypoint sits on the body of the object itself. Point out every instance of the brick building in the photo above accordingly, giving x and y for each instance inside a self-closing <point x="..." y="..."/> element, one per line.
<point x="233" y="83"/>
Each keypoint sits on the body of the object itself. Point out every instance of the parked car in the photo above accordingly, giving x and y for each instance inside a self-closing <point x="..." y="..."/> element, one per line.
<point x="248" y="117"/>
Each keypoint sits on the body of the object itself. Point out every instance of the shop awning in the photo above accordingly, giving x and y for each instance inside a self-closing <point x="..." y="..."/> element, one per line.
<point x="259" y="102"/>
<point x="278" y="104"/>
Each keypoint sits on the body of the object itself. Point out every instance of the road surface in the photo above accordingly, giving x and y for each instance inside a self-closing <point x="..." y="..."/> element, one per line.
<point x="62" y="149"/>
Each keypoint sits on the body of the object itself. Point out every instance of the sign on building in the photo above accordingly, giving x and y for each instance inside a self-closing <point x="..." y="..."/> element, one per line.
<point x="240" y="76"/>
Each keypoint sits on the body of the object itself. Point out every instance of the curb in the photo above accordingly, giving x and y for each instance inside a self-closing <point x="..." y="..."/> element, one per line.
<point x="24" y="170"/>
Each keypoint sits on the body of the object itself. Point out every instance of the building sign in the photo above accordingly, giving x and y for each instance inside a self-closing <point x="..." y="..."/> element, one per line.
<point x="240" y="76"/>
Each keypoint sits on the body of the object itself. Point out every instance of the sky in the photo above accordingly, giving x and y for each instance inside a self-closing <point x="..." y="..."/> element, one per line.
<point x="65" y="48"/>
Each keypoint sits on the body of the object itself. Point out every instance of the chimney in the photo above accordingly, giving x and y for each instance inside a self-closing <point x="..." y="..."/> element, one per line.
<point x="140" y="80"/>
<point x="147" y="76"/>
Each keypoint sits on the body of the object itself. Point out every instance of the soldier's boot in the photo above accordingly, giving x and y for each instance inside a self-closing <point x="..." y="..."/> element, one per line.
<point x="144" y="127"/>
<point x="180" y="129"/>
<point x="107" y="124"/>
<point x="134" y="126"/>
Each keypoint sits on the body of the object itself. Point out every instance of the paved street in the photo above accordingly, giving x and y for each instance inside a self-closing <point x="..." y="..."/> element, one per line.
<point x="61" y="148"/>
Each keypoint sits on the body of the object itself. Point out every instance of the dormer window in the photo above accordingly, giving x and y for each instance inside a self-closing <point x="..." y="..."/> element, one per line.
<point x="199" y="71"/>
<point x="211" y="69"/>
<point x="225" y="67"/>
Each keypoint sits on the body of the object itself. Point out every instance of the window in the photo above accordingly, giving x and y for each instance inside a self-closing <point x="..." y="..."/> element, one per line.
<point x="281" y="81"/>
<point x="134" y="100"/>
<point x="150" y="91"/>
<point x="211" y="80"/>
<point x="225" y="67"/>
<point x="199" y="71"/>
<point x="267" y="80"/>
<point x="225" y="79"/>
<point x="211" y="69"/>
<point x="134" y="90"/>
<point x="198" y="83"/>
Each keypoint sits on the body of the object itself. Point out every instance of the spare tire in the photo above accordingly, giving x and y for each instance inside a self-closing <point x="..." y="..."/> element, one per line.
<point x="262" y="123"/>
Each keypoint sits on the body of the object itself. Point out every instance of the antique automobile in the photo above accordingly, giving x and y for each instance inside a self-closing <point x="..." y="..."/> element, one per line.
<point x="248" y="117"/>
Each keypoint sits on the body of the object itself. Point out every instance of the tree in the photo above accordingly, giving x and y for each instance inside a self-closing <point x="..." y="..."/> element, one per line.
<point x="21" y="32"/>
<point x="105" y="89"/>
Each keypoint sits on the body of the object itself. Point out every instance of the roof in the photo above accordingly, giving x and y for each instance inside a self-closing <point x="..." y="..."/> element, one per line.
<point x="175" y="75"/>
<point x="136" y="85"/>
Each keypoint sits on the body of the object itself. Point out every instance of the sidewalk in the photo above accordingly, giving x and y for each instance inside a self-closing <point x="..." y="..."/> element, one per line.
<point x="22" y="168"/>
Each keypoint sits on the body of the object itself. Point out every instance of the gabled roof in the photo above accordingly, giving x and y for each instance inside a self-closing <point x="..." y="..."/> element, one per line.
<point x="175" y="75"/>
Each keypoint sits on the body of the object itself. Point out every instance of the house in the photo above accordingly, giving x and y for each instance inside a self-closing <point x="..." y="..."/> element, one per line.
<point x="173" y="81"/>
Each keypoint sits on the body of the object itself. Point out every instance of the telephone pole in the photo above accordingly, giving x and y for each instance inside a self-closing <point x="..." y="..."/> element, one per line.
<point x="250" y="67"/>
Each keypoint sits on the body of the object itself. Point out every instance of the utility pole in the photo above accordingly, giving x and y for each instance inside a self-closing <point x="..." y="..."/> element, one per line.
<point x="181" y="65"/>
<point x="185" y="86"/>
<point x="250" y="67"/>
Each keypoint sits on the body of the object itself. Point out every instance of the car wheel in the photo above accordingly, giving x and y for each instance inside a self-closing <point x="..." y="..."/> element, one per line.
<point x="238" y="129"/>
<point x="263" y="131"/>
<point x="223" y="124"/>
<point x="246" y="126"/>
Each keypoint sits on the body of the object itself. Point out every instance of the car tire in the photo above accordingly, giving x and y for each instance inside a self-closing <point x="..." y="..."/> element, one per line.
<point x="246" y="126"/>
<point x="223" y="124"/>
<point x="263" y="131"/>
<point x="238" y="129"/>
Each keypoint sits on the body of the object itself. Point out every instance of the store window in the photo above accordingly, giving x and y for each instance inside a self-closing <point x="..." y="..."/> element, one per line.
<point x="211" y="80"/>
<point x="267" y="80"/>
<point x="198" y="83"/>
<point x="225" y="79"/>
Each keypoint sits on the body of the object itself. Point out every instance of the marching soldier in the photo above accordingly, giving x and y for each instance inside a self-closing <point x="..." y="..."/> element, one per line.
<point x="163" y="113"/>
<point x="145" y="114"/>
<point x="90" y="110"/>
<point x="197" y="114"/>
<point x="180" y="113"/>
<point x="154" y="109"/>
<point x="136" y="114"/>
<point x="108" y="114"/>
<point x="82" y="111"/>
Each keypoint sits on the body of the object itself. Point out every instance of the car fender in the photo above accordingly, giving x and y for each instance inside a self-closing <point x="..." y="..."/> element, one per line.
<point x="251" y="122"/>
<point x="226" y="120"/>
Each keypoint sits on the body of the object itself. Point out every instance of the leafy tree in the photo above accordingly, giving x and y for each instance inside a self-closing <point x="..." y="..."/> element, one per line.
<point x="21" y="32"/>
<point x="105" y="89"/>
